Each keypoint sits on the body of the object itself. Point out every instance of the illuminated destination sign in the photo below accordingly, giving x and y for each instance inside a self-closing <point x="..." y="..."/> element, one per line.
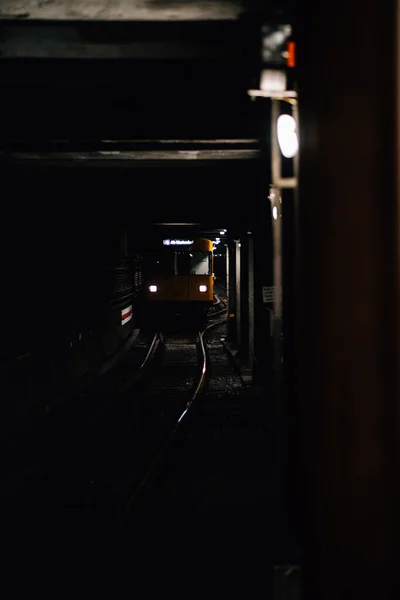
<point x="177" y="242"/>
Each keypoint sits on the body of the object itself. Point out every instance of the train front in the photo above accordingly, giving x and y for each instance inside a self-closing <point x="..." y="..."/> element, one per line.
<point x="179" y="278"/>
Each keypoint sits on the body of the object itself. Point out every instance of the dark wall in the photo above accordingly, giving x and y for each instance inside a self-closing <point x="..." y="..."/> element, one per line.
<point x="66" y="281"/>
<point x="125" y="194"/>
<point x="124" y="99"/>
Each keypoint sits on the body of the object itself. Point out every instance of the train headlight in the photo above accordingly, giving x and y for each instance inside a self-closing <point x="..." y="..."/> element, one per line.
<point x="202" y="288"/>
<point x="152" y="288"/>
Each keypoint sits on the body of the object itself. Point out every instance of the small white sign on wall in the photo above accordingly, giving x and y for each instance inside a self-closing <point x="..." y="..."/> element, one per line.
<point x="268" y="294"/>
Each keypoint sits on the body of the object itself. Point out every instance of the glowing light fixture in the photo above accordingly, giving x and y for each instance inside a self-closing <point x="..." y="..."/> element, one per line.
<point x="152" y="288"/>
<point x="273" y="81"/>
<point x="287" y="136"/>
<point x="202" y="288"/>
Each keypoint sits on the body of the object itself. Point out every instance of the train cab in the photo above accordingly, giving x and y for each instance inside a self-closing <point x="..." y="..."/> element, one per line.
<point x="179" y="277"/>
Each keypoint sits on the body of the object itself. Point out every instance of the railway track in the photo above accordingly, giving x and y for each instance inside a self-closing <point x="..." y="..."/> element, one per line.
<point x="92" y="480"/>
<point x="174" y="415"/>
<point x="220" y="466"/>
<point x="27" y="450"/>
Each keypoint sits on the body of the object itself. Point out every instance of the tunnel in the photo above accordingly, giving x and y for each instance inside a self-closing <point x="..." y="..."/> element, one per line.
<point x="268" y="130"/>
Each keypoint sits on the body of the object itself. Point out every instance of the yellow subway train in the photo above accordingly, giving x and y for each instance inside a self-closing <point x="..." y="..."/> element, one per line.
<point x="178" y="277"/>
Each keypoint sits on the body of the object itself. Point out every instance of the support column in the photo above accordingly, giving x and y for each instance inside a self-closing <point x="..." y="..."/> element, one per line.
<point x="227" y="275"/>
<point x="263" y="260"/>
<point x="349" y="337"/>
<point x="238" y="316"/>
<point x="263" y="278"/>
<point x="231" y="291"/>
<point x="244" y="298"/>
<point x="276" y="203"/>
<point x="251" y="319"/>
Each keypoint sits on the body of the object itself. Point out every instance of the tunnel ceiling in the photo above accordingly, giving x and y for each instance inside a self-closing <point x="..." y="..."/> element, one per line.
<point x="137" y="109"/>
<point x="142" y="10"/>
<point x="123" y="9"/>
<point x="98" y="196"/>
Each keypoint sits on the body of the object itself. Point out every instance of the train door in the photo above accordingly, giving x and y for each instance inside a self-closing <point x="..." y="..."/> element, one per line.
<point x="182" y="270"/>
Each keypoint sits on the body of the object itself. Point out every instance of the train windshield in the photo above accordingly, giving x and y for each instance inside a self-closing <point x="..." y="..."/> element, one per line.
<point x="194" y="263"/>
<point x="160" y="263"/>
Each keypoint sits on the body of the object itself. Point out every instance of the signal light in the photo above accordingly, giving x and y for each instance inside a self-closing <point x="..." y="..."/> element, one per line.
<point x="287" y="136"/>
<point x="291" y="54"/>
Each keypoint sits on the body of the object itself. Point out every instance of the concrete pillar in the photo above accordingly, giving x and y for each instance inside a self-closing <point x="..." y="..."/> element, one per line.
<point x="251" y="313"/>
<point x="244" y="298"/>
<point x="227" y="269"/>
<point x="231" y="285"/>
<point x="263" y="277"/>
<point x="238" y="315"/>
<point x="276" y="203"/>
<point x="348" y="329"/>
<point x="263" y="258"/>
<point x="290" y="314"/>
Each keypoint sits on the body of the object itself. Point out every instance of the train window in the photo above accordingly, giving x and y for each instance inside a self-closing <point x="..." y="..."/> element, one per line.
<point x="193" y="263"/>
<point x="182" y="263"/>
<point x="200" y="263"/>
<point x="159" y="263"/>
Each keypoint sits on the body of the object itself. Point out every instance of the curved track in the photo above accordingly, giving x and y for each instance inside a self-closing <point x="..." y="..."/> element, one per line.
<point x="92" y="479"/>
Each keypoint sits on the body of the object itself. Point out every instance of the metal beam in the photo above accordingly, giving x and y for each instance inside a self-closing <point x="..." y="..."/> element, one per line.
<point x="131" y="158"/>
<point x="128" y="146"/>
<point x="120" y="10"/>
<point x="137" y="39"/>
<point x="120" y="40"/>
